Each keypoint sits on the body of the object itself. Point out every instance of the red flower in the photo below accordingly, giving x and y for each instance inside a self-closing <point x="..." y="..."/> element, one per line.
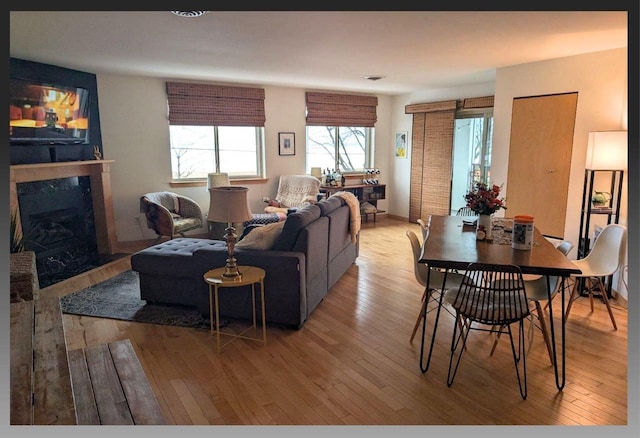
<point x="485" y="200"/>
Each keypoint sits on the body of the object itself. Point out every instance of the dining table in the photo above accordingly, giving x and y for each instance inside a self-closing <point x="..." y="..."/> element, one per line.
<point x="452" y="245"/>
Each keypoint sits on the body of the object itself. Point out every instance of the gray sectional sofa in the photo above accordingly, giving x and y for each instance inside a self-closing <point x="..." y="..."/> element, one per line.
<point x="311" y="253"/>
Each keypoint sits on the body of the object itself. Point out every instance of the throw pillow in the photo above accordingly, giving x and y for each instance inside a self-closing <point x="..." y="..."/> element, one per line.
<point x="248" y="229"/>
<point x="262" y="237"/>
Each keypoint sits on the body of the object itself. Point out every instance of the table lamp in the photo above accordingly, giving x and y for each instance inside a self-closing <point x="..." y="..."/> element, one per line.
<point x="217" y="180"/>
<point x="317" y="172"/>
<point x="231" y="205"/>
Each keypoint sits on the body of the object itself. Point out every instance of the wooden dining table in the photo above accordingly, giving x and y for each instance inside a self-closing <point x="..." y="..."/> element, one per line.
<point x="452" y="245"/>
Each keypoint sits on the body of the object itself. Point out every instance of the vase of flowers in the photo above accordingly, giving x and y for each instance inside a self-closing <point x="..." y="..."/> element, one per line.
<point x="484" y="200"/>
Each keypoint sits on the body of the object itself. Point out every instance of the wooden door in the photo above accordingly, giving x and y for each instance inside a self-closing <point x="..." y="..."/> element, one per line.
<point x="540" y="159"/>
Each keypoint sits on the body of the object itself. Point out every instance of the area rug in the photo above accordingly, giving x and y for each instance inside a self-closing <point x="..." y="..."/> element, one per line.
<point x="119" y="298"/>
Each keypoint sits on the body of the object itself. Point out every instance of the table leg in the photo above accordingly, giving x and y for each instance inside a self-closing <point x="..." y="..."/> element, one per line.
<point x="211" y="309"/>
<point x="217" y="306"/>
<point x="253" y="304"/>
<point x="559" y="372"/>
<point x="425" y="368"/>
<point x="264" y="314"/>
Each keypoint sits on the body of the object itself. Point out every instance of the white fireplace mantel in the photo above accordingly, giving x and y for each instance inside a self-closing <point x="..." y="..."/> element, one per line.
<point x="99" y="173"/>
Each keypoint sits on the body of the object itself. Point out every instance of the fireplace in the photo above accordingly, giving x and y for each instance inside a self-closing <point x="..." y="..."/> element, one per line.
<point x="65" y="213"/>
<point x="58" y="225"/>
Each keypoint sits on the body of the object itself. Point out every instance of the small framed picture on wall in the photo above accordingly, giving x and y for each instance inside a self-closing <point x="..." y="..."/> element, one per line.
<point x="287" y="143"/>
<point x="401" y="145"/>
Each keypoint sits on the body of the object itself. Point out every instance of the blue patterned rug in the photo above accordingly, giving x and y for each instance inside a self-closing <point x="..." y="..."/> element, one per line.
<point x="119" y="298"/>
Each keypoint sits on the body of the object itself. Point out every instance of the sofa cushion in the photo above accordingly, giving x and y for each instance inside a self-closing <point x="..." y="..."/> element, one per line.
<point x="330" y="204"/>
<point x="172" y="256"/>
<point x="293" y="224"/>
<point x="262" y="237"/>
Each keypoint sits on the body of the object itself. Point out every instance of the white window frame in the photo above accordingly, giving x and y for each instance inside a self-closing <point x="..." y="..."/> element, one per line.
<point x="216" y="166"/>
<point x="368" y="150"/>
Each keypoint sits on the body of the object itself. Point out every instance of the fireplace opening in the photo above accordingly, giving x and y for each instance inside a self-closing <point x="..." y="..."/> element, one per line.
<point x="56" y="228"/>
<point x="58" y="225"/>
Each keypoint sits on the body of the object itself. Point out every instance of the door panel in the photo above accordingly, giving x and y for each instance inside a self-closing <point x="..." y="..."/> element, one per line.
<point x="540" y="159"/>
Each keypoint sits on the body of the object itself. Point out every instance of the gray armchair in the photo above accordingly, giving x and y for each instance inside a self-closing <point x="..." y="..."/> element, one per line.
<point x="169" y="214"/>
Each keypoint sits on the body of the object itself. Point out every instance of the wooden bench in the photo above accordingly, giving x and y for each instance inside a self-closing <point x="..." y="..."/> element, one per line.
<point x="102" y="384"/>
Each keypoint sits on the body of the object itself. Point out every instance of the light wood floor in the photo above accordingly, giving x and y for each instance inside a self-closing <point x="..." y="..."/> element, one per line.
<point x="352" y="363"/>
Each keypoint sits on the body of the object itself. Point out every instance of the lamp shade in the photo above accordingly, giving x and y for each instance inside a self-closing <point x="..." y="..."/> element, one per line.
<point x="229" y="204"/>
<point x="317" y="172"/>
<point x="607" y="150"/>
<point x="217" y="180"/>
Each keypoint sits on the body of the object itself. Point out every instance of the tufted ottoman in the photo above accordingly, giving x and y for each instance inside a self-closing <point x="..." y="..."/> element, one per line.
<point x="167" y="271"/>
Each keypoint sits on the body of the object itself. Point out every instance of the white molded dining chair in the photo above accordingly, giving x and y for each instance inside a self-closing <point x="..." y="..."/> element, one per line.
<point x="436" y="277"/>
<point x="604" y="259"/>
<point x="424" y="227"/>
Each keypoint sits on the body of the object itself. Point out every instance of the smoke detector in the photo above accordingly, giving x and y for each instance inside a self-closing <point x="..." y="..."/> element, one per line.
<point x="189" y="14"/>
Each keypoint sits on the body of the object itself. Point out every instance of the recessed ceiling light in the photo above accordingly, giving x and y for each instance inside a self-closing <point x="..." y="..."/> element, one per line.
<point x="374" y="77"/>
<point x="189" y="14"/>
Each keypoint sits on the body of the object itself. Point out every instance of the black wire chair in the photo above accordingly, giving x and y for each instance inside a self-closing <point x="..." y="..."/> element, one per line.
<point x="465" y="211"/>
<point x="494" y="296"/>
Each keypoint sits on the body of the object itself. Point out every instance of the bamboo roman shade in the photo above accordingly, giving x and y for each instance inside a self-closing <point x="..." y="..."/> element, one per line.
<point x="205" y="104"/>
<point x="328" y="109"/>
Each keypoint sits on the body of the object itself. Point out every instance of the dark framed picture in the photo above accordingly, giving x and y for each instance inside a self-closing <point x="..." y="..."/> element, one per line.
<point x="287" y="143"/>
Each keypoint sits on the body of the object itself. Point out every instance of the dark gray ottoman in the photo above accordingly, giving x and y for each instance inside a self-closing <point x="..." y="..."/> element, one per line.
<point x="167" y="273"/>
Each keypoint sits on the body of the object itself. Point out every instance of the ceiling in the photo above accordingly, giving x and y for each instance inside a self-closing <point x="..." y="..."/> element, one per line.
<point x="322" y="50"/>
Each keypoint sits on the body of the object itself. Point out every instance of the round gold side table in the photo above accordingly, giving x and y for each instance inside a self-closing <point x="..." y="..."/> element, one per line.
<point x="251" y="275"/>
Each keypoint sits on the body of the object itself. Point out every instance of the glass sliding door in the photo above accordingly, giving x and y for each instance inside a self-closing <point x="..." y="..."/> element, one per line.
<point x="472" y="136"/>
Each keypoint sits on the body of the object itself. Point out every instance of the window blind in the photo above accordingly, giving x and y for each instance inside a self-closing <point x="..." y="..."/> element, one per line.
<point x="329" y="109"/>
<point x="205" y="104"/>
<point x="432" y="143"/>
<point x="431" y="153"/>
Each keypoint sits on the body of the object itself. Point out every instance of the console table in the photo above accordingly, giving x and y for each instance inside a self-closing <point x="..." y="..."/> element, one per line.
<point x="370" y="193"/>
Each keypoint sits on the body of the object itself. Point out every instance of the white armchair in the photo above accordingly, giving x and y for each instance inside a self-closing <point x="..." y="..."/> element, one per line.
<point x="294" y="191"/>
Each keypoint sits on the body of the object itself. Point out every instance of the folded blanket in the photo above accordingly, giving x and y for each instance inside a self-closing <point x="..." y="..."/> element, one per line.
<point x="354" y="207"/>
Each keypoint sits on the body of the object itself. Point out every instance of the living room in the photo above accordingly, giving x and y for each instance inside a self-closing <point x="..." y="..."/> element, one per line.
<point x="135" y="136"/>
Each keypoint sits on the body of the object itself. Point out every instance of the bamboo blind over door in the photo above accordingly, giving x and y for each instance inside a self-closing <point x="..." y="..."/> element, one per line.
<point x="431" y="158"/>
<point x="417" y="165"/>
<point x="432" y="154"/>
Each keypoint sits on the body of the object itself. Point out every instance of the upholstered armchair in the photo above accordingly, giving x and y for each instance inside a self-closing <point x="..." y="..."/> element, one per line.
<point x="169" y="214"/>
<point x="294" y="191"/>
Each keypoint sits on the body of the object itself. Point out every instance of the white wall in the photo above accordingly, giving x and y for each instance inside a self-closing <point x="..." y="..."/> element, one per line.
<point x="600" y="79"/>
<point x="135" y="133"/>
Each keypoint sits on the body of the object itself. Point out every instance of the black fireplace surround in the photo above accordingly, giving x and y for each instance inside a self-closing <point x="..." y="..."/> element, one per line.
<point x="58" y="225"/>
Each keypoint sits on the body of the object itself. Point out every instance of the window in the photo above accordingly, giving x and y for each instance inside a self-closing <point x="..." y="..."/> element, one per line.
<point x="340" y="130"/>
<point x="199" y="150"/>
<point x="215" y="128"/>
<point x="339" y="147"/>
